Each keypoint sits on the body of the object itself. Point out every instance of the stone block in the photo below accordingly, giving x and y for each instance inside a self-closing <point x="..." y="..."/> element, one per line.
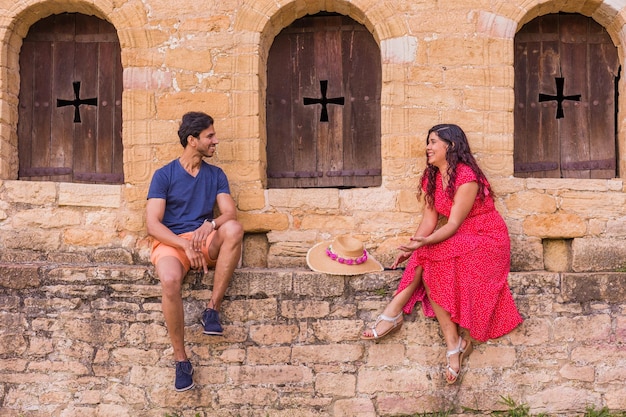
<point x="113" y="256"/>
<point x="557" y="255"/>
<point x="526" y="253"/>
<point x="325" y="198"/>
<point x="406" y="379"/>
<point x="388" y="354"/>
<point x="337" y="330"/>
<point x="19" y="276"/>
<point x="255" y="249"/>
<point x="590" y="204"/>
<point x="90" y="195"/>
<point x="252" y="199"/>
<point x="304" y="309"/>
<point x="578" y="373"/>
<point x="317" y="284"/>
<point x="268" y="355"/>
<point x="270" y="374"/>
<point x="595" y="254"/>
<point x="169" y="105"/>
<point x="494" y="357"/>
<point x="583" y="288"/>
<point x="263" y="222"/>
<point x="273" y="334"/>
<point x="362" y="407"/>
<point x="583" y="328"/>
<point x="88" y="237"/>
<point x="340" y="385"/>
<point x="530" y="202"/>
<point x="32" y="239"/>
<point x="555" y="226"/>
<point x="326" y="353"/>
<point x="562" y="399"/>
<point x="248" y="283"/>
<point x="29" y="192"/>
<point x="250" y="396"/>
<point x="331" y="222"/>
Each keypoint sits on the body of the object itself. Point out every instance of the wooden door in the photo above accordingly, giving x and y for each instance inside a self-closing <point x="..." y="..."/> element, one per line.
<point x="566" y="68"/>
<point x="323" y="105"/>
<point x="70" y="102"/>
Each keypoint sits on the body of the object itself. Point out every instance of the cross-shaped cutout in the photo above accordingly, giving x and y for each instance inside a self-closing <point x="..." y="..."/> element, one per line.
<point x="77" y="101"/>
<point x="324" y="101"/>
<point x="560" y="82"/>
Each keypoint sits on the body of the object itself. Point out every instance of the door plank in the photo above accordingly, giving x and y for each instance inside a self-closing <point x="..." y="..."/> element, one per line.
<point x="574" y="127"/>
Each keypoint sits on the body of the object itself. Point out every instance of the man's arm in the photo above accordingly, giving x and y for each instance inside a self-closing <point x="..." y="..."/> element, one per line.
<point x="155" y="210"/>
<point x="227" y="208"/>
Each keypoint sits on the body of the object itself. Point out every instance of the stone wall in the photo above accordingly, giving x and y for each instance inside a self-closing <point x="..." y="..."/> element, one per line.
<point x="89" y="341"/>
<point x="81" y="333"/>
<point x="555" y="225"/>
<point x="212" y="56"/>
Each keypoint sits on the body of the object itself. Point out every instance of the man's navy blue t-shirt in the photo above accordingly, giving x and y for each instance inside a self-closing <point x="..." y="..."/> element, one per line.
<point x="189" y="201"/>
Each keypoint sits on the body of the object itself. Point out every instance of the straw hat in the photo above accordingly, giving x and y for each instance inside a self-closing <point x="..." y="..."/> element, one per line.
<point x="345" y="255"/>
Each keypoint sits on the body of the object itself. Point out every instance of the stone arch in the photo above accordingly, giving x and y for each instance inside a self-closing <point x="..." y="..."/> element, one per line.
<point x="21" y="17"/>
<point x="506" y="21"/>
<point x="268" y="18"/>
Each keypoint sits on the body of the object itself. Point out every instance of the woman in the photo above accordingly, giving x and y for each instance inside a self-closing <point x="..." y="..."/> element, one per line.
<point x="458" y="271"/>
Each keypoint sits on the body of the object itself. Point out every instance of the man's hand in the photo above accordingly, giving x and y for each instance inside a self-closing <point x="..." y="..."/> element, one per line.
<point x="196" y="258"/>
<point x="200" y="236"/>
<point x="197" y="243"/>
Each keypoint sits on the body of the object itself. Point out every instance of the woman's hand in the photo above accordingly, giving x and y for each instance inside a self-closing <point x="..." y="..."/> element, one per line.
<point x="402" y="256"/>
<point x="415" y="243"/>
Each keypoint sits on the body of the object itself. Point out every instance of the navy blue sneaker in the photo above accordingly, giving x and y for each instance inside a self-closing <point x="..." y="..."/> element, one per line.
<point x="211" y="322"/>
<point x="184" y="381"/>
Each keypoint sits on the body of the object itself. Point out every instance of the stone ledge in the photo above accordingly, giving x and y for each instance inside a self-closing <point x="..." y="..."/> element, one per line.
<point x="580" y="287"/>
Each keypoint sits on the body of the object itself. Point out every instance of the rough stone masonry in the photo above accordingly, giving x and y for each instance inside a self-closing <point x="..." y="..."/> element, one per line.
<point x="81" y="332"/>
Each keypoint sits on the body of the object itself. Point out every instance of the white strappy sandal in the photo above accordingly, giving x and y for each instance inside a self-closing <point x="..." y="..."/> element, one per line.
<point x="396" y="321"/>
<point x="463" y="352"/>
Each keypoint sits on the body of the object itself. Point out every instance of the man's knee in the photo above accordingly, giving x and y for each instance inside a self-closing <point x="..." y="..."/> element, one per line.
<point x="232" y="230"/>
<point x="171" y="280"/>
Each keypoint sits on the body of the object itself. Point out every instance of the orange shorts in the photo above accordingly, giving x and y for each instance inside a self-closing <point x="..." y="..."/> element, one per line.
<point x="160" y="250"/>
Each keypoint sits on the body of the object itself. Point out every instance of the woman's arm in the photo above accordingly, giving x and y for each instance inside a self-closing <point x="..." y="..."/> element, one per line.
<point x="463" y="202"/>
<point x="429" y="221"/>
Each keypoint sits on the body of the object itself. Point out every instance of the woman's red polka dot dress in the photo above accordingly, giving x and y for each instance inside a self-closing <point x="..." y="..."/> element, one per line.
<point x="468" y="273"/>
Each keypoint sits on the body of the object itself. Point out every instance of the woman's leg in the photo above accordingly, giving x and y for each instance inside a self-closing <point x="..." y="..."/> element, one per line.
<point x="451" y="336"/>
<point x="395" y="305"/>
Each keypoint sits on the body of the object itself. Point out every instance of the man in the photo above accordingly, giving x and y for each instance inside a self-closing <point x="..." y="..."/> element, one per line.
<point x="179" y="216"/>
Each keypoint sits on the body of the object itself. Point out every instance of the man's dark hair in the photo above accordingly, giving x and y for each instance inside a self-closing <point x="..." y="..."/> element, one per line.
<point x="192" y="124"/>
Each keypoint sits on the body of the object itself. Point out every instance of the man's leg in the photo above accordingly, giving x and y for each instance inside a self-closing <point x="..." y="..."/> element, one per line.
<point x="171" y="273"/>
<point x="226" y="248"/>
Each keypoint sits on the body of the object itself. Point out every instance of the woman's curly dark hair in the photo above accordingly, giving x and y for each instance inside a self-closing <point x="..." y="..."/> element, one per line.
<point x="458" y="152"/>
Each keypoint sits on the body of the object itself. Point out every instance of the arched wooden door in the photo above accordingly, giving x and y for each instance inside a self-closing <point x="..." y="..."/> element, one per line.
<point x="566" y="71"/>
<point x="70" y="102"/>
<point x="323" y="105"/>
